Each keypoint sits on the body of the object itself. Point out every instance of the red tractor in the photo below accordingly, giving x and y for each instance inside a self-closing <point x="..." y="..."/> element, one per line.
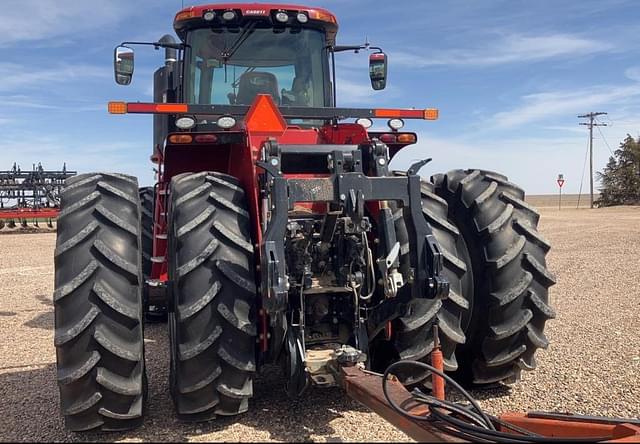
<point x="276" y="233"/>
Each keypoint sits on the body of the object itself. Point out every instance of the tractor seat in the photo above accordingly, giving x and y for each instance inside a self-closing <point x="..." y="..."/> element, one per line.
<point x="253" y="83"/>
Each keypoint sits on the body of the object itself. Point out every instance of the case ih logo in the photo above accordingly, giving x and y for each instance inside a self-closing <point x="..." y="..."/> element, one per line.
<point x="255" y="12"/>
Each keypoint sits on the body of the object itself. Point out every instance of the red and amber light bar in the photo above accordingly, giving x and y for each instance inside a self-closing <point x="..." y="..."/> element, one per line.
<point x="426" y="114"/>
<point x="286" y="111"/>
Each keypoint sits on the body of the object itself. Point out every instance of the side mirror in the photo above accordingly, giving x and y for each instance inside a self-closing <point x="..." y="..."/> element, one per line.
<point x="123" y="64"/>
<point x="378" y="70"/>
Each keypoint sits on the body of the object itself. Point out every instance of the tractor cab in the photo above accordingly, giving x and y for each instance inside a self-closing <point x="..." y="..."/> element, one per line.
<point x="234" y="56"/>
<point x="231" y="53"/>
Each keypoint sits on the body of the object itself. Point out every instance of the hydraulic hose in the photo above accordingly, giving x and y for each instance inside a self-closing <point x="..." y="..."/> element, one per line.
<point x="478" y="426"/>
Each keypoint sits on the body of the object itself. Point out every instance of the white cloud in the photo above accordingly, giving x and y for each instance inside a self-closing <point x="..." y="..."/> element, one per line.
<point x="539" y="106"/>
<point x="351" y="92"/>
<point x="17" y="77"/>
<point x="35" y="20"/>
<point x="633" y="73"/>
<point x="26" y="148"/>
<point x="514" y="48"/>
<point x="532" y="163"/>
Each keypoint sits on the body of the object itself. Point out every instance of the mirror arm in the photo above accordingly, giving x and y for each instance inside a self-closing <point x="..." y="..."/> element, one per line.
<point x="355" y="48"/>
<point x="157" y="45"/>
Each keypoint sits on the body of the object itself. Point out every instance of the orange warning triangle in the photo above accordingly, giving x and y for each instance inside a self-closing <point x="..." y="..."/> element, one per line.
<point x="264" y="116"/>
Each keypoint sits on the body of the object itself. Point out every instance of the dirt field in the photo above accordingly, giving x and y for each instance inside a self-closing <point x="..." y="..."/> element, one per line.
<point x="569" y="201"/>
<point x="592" y="366"/>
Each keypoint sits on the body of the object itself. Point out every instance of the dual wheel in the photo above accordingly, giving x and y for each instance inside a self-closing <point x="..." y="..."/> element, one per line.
<point x="490" y="325"/>
<point x="494" y="258"/>
<point x="99" y="272"/>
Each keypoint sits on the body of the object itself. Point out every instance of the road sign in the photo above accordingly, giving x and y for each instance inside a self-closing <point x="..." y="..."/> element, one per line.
<point x="560" y="181"/>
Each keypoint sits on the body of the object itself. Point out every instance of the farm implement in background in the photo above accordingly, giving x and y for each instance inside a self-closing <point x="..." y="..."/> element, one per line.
<point x="30" y="199"/>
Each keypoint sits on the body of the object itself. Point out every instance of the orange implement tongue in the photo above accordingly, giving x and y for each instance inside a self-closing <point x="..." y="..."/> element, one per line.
<point x="264" y="116"/>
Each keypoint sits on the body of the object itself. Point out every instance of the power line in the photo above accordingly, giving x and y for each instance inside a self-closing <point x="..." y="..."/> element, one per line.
<point x="584" y="166"/>
<point x="604" y="138"/>
<point x="591" y="116"/>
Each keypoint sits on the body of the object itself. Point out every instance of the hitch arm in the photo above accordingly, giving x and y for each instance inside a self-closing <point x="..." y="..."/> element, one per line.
<point x="366" y="388"/>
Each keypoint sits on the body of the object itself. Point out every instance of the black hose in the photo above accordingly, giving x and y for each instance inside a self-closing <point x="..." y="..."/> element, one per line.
<point x="439" y="373"/>
<point x="484" y="428"/>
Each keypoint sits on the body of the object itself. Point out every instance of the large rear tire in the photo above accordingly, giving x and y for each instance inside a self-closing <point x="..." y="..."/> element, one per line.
<point x="98" y="306"/>
<point x="157" y="312"/>
<point x="511" y="281"/>
<point x="146" y="218"/>
<point x="212" y="318"/>
<point x="413" y="333"/>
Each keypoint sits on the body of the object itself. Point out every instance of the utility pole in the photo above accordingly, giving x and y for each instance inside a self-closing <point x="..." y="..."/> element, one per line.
<point x="591" y="116"/>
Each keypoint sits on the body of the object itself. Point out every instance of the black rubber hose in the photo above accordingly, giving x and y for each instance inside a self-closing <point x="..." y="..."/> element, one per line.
<point x="487" y="432"/>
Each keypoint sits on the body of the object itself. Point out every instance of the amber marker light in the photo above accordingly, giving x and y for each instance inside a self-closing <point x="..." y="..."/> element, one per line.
<point x="431" y="114"/>
<point x="180" y="138"/>
<point x="406" y="138"/>
<point x="117" y="107"/>
<point x="185" y="15"/>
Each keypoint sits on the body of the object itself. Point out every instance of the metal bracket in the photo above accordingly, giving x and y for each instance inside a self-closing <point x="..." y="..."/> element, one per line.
<point x="437" y="284"/>
<point x="416" y="167"/>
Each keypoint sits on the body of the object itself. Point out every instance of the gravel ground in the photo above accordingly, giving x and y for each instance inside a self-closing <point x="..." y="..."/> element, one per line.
<point x="592" y="365"/>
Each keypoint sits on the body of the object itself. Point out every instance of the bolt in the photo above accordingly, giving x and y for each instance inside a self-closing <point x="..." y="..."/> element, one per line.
<point x="343" y="197"/>
<point x="274" y="162"/>
<point x="381" y="161"/>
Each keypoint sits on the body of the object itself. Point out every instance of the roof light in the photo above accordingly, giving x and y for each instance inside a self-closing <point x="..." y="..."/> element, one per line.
<point x="183" y="15"/>
<point x="185" y="122"/>
<point x="229" y="15"/>
<point x="282" y="17"/>
<point x="209" y="15"/>
<point x="302" y="17"/>
<point x="395" y="124"/>
<point x="226" y="122"/>
<point x="180" y="138"/>
<point x="325" y="16"/>
<point x="366" y="123"/>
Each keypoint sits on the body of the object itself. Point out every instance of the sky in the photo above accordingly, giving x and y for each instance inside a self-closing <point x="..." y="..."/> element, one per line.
<point x="509" y="78"/>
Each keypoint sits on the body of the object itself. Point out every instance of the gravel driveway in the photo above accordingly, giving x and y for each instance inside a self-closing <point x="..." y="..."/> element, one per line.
<point x="592" y="366"/>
